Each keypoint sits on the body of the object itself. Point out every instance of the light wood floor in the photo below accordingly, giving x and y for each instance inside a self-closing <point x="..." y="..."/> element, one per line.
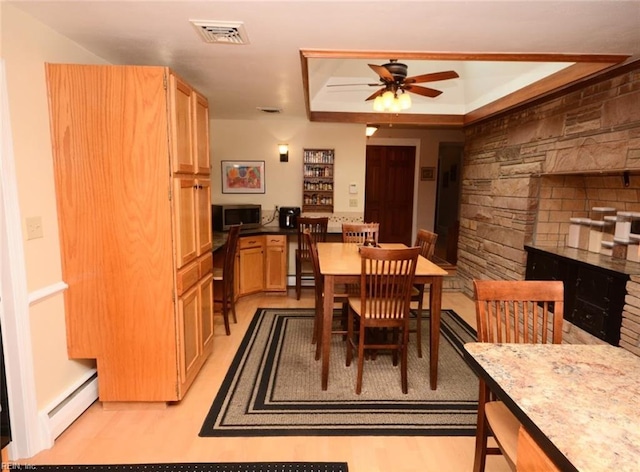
<point x="171" y="434"/>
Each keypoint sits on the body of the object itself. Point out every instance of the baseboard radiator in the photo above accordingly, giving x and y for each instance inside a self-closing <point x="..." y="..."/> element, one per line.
<point x="65" y="409"/>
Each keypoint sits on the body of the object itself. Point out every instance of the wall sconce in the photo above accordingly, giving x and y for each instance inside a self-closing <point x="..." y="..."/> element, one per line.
<point x="370" y="130"/>
<point x="283" y="149"/>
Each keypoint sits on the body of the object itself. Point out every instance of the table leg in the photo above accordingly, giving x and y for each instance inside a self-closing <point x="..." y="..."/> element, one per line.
<point x="325" y="334"/>
<point x="435" y="302"/>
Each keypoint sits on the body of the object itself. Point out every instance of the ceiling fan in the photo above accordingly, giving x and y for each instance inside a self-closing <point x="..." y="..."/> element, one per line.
<point x="394" y="80"/>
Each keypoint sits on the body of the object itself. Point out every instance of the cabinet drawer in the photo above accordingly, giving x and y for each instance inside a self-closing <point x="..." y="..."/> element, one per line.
<point x="250" y="241"/>
<point x="206" y="264"/>
<point x="187" y="277"/>
<point x="276" y="240"/>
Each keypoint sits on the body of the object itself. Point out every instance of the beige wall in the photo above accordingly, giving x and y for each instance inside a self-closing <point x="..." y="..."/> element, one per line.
<point x="259" y="139"/>
<point x="26" y="46"/>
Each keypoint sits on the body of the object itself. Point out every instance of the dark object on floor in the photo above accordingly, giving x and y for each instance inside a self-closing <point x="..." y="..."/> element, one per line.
<point x="202" y="467"/>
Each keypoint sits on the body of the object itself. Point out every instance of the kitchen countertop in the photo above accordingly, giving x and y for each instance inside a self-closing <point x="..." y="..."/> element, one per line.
<point x="220" y="237"/>
<point x="622" y="266"/>
<point x="579" y="402"/>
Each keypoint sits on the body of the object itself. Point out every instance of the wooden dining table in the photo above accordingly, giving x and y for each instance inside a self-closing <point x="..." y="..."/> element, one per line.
<point x="340" y="263"/>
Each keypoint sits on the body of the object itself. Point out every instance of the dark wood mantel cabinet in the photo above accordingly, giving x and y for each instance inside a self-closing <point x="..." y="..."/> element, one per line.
<point x="594" y="295"/>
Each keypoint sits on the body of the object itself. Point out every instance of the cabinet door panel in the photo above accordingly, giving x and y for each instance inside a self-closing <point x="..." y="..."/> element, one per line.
<point x="251" y="270"/>
<point x="185" y="219"/>
<point x="183" y="157"/>
<point x="189" y="342"/>
<point x="206" y="312"/>
<point x="201" y="130"/>
<point x="275" y="277"/>
<point x="203" y="203"/>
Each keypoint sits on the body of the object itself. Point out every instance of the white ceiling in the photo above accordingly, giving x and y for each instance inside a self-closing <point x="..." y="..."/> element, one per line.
<point x="268" y="72"/>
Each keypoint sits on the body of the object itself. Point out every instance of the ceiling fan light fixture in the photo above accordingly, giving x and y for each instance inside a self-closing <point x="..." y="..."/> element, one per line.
<point x="378" y="104"/>
<point x="405" y="101"/>
<point x="395" y="106"/>
<point x="387" y="99"/>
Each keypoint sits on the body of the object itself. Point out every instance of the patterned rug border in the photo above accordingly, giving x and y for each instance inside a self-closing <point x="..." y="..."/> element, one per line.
<point x="209" y="427"/>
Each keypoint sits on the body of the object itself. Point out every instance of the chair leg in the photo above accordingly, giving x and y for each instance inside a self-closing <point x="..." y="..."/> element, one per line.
<point x="317" y="326"/>
<point x="225" y="317"/>
<point x="349" y="356"/>
<point x="360" y="359"/>
<point x="480" y="455"/>
<point x="419" y="322"/>
<point x="298" y="278"/>
<point x="404" y="360"/>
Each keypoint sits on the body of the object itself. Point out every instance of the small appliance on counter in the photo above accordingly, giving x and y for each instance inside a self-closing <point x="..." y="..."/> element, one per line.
<point x="289" y="217"/>
<point x="226" y="215"/>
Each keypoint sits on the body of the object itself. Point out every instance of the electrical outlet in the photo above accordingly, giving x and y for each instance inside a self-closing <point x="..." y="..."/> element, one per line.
<point x="34" y="227"/>
<point x="353" y="202"/>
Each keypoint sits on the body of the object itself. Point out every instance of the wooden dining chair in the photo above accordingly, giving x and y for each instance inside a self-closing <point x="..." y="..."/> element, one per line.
<point x="511" y="312"/>
<point x="426" y="241"/>
<point x="340" y="297"/>
<point x="358" y="233"/>
<point x="317" y="227"/>
<point x="386" y="280"/>
<point x="223" y="279"/>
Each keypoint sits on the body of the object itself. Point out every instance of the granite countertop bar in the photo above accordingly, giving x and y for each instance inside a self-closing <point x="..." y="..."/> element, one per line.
<point x="581" y="403"/>
<point x="622" y="266"/>
<point x="220" y="237"/>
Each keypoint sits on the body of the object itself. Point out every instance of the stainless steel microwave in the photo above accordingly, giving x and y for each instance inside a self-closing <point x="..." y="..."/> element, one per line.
<point x="224" y="216"/>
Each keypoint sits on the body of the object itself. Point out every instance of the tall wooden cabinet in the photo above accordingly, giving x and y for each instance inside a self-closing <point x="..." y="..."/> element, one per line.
<point x="131" y="162"/>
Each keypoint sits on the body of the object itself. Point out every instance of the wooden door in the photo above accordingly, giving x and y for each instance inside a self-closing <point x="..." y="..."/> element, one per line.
<point x="389" y="182"/>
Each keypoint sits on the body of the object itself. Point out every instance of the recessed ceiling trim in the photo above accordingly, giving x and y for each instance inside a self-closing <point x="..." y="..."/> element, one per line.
<point x="221" y="32"/>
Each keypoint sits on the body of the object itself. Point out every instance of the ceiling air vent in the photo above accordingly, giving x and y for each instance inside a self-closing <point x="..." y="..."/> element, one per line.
<point x="221" y="32"/>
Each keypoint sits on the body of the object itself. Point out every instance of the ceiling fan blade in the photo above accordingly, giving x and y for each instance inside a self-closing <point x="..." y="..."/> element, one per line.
<point x="376" y="94"/>
<point x="382" y="72"/>
<point x="424" y="91"/>
<point x="433" y="77"/>
<point x="377" y="84"/>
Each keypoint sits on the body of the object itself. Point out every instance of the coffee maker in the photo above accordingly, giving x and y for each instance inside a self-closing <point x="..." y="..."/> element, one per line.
<point x="289" y="217"/>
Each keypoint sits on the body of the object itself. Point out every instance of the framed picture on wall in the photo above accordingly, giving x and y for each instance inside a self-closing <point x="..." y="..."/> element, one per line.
<point x="427" y="173"/>
<point x="243" y="177"/>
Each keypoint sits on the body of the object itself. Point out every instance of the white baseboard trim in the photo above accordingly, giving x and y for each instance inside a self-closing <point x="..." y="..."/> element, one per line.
<point x="65" y="409"/>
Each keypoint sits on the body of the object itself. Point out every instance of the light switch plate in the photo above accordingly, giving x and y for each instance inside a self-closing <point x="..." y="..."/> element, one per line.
<point x="353" y="202"/>
<point x="353" y="189"/>
<point x="34" y="227"/>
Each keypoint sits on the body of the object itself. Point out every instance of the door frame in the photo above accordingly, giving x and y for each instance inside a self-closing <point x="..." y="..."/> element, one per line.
<point x="14" y="300"/>
<point x="414" y="142"/>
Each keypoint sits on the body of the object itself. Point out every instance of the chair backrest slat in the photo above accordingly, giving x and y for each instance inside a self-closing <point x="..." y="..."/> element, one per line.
<point x="426" y="241"/>
<point x="317" y="228"/>
<point x="358" y="232"/>
<point x="519" y="311"/>
<point x="230" y="257"/>
<point x="386" y="281"/>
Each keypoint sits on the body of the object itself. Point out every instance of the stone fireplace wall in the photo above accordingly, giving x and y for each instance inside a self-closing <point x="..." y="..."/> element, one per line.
<point x="517" y="166"/>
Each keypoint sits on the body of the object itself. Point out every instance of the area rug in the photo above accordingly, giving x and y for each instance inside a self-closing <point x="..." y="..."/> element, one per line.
<point x="199" y="467"/>
<point x="273" y="388"/>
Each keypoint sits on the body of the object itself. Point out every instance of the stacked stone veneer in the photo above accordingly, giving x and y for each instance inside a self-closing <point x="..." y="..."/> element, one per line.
<point x="516" y="169"/>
